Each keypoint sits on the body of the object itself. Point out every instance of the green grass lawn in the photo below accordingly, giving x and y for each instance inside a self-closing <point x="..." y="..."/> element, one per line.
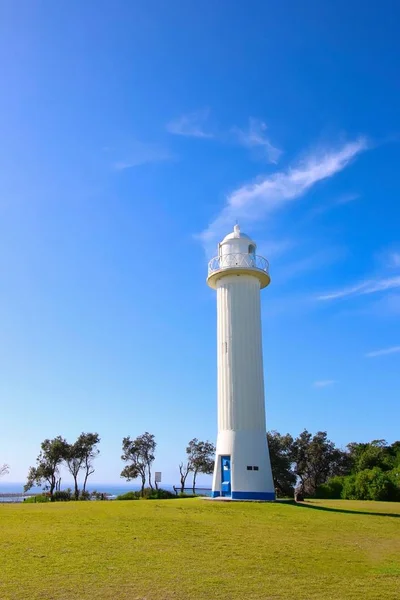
<point x="198" y="549"/>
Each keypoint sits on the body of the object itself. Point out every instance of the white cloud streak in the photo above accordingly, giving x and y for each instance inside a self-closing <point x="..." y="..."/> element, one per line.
<point x="254" y="201"/>
<point x="394" y="260"/>
<point x="323" y="384"/>
<point x="255" y="137"/>
<point x="347" y="198"/>
<point x="191" y="125"/>
<point x="392" y="350"/>
<point x="141" y="153"/>
<point x="371" y="286"/>
<point x="318" y="260"/>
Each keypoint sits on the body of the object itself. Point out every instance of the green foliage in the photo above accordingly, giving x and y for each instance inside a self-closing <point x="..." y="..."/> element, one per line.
<point x="46" y="472"/>
<point x="61" y="496"/>
<point x="139" y="453"/>
<point x="40" y="498"/>
<point x="333" y="488"/>
<point x="84" y="495"/>
<point x="349" y="488"/>
<point x="316" y="459"/>
<point x="79" y="456"/>
<point x="371" y="484"/>
<point x="161" y="494"/>
<point x="201" y="458"/>
<point x="129" y="496"/>
<point x="98" y="495"/>
<point x="373" y="454"/>
<point x="148" y="494"/>
<point x="375" y="484"/>
<point x="280" y="452"/>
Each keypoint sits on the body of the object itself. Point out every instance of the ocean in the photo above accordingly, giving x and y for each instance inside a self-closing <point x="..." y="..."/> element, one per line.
<point x="111" y="489"/>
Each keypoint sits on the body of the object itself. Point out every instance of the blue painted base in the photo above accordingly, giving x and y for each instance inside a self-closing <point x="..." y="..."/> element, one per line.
<point x="247" y="495"/>
<point x="253" y="496"/>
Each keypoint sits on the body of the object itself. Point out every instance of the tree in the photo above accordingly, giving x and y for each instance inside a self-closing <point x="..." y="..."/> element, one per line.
<point x="74" y="463"/>
<point x="280" y="452"/>
<point x="184" y="470"/>
<point x="79" y="457"/>
<point x="200" y="458"/>
<point x="316" y="459"/>
<point x="46" y="472"/>
<point x="373" y="454"/>
<point x="4" y="470"/>
<point x="140" y="454"/>
<point x="148" y="448"/>
<point x="86" y="446"/>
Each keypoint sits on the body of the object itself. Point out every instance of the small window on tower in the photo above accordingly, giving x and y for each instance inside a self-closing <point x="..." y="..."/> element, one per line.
<point x="252" y="249"/>
<point x="255" y="468"/>
<point x="249" y="468"/>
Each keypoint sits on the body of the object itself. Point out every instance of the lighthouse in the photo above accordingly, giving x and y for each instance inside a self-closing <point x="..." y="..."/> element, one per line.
<point x="242" y="468"/>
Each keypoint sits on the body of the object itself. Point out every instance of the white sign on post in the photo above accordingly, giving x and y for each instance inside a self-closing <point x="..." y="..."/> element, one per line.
<point x="157" y="476"/>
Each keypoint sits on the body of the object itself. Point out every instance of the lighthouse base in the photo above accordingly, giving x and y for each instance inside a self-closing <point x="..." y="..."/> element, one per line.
<point x="242" y="468"/>
<point x="255" y="496"/>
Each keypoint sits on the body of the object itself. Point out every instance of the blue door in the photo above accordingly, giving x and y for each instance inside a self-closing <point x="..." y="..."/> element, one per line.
<point x="225" y="475"/>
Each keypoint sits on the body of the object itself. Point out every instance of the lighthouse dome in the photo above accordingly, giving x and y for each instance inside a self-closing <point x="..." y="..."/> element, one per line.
<point x="237" y="242"/>
<point x="235" y="234"/>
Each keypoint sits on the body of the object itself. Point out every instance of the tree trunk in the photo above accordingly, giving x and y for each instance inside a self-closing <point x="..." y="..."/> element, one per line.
<point x="76" y="487"/>
<point x="143" y="484"/>
<point x="183" y="481"/>
<point x="150" y="484"/>
<point x="52" y="486"/>
<point x="194" y="481"/>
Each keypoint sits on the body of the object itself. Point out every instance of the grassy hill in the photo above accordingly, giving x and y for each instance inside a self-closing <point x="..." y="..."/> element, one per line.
<point x="197" y="549"/>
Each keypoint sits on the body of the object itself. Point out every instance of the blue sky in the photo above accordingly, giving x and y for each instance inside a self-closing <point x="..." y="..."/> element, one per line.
<point x="133" y="136"/>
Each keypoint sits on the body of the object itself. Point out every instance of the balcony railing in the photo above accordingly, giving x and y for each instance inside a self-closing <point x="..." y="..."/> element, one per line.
<point x="238" y="261"/>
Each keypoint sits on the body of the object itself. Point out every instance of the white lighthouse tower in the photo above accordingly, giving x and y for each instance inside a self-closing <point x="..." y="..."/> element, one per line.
<point x="242" y="466"/>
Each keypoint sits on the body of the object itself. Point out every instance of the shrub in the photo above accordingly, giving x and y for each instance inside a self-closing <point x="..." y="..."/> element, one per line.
<point x="148" y="494"/>
<point x="34" y="499"/>
<point x="61" y="496"/>
<point x="160" y="495"/>
<point x="371" y="484"/>
<point x="375" y="484"/>
<point x="394" y="475"/>
<point x="331" y="489"/>
<point x="349" y="488"/>
<point x="98" y="495"/>
<point x="129" y="496"/>
<point x="84" y="495"/>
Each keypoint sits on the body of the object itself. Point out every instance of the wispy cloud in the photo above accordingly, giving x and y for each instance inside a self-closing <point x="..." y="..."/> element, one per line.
<point x="140" y="153"/>
<point x="341" y="200"/>
<point x="193" y="124"/>
<point x="317" y="260"/>
<point x="324" y="383"/>
<point x="254" y="201"/>
<point x="371" y="286"/>
<point x="347" y="198"/>
<point x="394" y="260"/>
<point x="255" y="137"/>
<point x="392" y="350"/>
